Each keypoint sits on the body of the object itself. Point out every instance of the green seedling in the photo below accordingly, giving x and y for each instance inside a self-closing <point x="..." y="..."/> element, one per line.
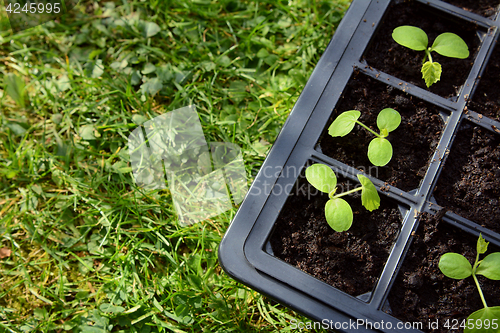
<point x="337" y="211"/>
<point x="379" y="149"/>
<point x="456" y="266"/>
<point x="447" y="44"/>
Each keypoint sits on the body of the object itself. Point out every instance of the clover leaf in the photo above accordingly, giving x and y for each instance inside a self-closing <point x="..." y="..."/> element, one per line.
<point x="338" y="212"/>
<point x="379" y="149"/>
<point x="446" y="44"/>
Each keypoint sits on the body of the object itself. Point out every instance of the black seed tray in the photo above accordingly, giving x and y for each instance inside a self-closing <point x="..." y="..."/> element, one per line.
<point x="246" y="253"/>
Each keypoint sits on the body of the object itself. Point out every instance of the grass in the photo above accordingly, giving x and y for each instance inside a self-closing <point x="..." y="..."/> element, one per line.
<point x="82" y="248"/>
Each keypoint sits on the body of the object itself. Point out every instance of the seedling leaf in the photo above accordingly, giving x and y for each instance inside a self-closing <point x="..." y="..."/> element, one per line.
<point x="450" y="45"/>
<point x="379" y="151"/>
<point x="338" y="214"/>
<point x="431" y="72"/>
<point x="321" y="177"/>
<point x="388" y="119"/>
<point x="490" y="266"/>
<point x="482" y="321"/>
<point x="455" y="266"/>
<point x="344" y="123"/>
<point x="411" y="37"/>
<point x="482" y="245"/>
<point x="369" y="195"/>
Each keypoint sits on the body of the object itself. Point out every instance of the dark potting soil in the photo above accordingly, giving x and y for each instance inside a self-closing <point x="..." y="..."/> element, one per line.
<point x="350" y="261"/>
<point x="386" y="55"/>
<point x="469" y="184"/>
<point x="421" y="293"/>
<point x="485" y="8"/>
<point x="413" y="142"/>
<point x="486" y="99"/>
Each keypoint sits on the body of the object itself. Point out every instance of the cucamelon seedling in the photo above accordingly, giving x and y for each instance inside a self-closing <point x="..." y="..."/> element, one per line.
<point x="337" y="211"/>
<point x="446" y="44"/>
<point x="456" y="266"/>
<point x="379" y="149"/>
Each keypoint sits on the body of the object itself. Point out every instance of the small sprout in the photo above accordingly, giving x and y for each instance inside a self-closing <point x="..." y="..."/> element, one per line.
<point x="338" y="212"/>
<point x="456" y="266"/>
<point x="447" y="44"/>
<point x="379" y="149"/>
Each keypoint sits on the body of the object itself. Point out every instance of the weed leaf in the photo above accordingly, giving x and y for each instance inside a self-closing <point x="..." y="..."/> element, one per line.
<point x="321" y="177"/>
<point x="338" y="214"/>
<point x="388" y="119"/>
<point x="490" y="266"/>
<point x="17" y="128"/>
<point x="87" y="132"/>
<point x="450" y="45"/>
<point x="110" y="308"/>
<point x="94" y="69"/>
<point x="479" y="319"/>
<point x="149" y="29"/>
<point x="369" y="195"/>
<point x="344" y="123"/>
<point x="379" y="151"/>
<point x="411" y="37"/>
<point x="151" y="86"/>
<point x="15" y="88"/>
<point x="455" y="266"/>
<point x="431" y="72"/>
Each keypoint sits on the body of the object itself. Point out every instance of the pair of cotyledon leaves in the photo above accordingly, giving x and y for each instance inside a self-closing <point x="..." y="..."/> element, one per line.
<point x="379" y="149"/>
<point x="456" y="266"/>
<point x="446" y="44"/>
<point x="337" y="211"/>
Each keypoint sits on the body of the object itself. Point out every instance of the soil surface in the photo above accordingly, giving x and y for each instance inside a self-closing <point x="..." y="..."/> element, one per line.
<point x="421" y="293"/>
<point x="469" y="184"/>
<point x="413" y="142"/>
<point x="350" y="261"/>
<point x="486" y="99"/>
<point x="485" y="8"/>
<point x="388" y="56"/>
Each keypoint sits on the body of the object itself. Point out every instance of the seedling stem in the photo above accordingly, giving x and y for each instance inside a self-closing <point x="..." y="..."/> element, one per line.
<point x="344" y="193"/>
<point x="479" y="289"/>
<point x="476" y="263"/>
<point x="369" y="129"/>
<point x="428" y="54"/>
